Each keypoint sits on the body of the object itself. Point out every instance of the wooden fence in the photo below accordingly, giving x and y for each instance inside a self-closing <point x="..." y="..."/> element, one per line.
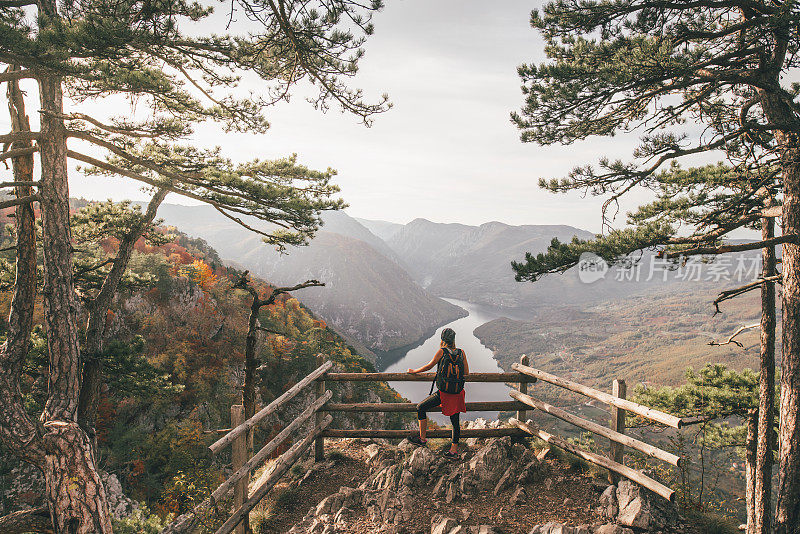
<point x="320" y="411"/>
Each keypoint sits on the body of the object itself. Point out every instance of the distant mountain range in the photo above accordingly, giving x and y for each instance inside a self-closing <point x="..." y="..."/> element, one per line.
<point x="384" y="280"/>
<point x="369" y="297"/>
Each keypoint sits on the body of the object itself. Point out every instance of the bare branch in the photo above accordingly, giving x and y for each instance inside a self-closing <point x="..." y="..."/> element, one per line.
<point x="33" y="183"/>
<point x="732" y="293"/>
<point x="19" y="136"/>
<point x="731" y="339"/>
<point x="16" y="152"/>
<point x="14" y="75"/>
<point x="19" y="201"/>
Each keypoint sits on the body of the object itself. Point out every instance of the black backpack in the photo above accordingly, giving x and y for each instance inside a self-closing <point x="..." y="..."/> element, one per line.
<point x="450" y="372"/>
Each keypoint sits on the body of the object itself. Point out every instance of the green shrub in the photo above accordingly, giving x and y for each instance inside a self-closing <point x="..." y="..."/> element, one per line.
<point x="141" y="521"/>
<point x="709" y="523"/>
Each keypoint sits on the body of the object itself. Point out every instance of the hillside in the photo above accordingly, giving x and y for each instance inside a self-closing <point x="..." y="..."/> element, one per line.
<point x="645" y="338"/>
<point x="174" y="366"/>
<point x="368" y="297"/>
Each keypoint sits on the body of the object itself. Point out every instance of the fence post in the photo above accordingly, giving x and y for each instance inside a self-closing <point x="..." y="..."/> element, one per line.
<point x="319" y="443"/>
<point x="239" y="452"/>
<point x="522" y="415"/>
<point x="619" y="389"/>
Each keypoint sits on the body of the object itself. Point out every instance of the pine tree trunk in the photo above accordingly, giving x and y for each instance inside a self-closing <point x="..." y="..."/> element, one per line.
<point x="19" y="432"/>
<point x="750" y="469"/>
<point x="787" y="495"/>
<point x="787" y="517"/>
<point x="97" y="311"/>
<point x="75" y="493"/>
<point x="762" y="514"/>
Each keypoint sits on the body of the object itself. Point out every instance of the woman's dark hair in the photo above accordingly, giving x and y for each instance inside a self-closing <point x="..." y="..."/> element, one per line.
<point x="449" y="336"/>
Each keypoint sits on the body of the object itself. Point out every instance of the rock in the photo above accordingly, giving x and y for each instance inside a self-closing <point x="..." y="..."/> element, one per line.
<point x="444" y="526"/>
<point x="372" y="451"/>
<point x="487" y="529"/>
<point x="406" y="478"/>
<point x="439" y="488"/>
<point x="406" y="446"/>
<point x="533" y="472"/>
<point x="459" y="530"/>
<point x="552" y="528"/>
<point x="352" y="497"/>
<point x="640" y="508"/>
<point x="451" y="493"/>
<point x="611" y="528"/>
<point x="505" y="480"/>
<point x="490" y="462"/>
<point x="608" y="503"/>
<point x="519" y="496"/>
<point x="420" y="461"/>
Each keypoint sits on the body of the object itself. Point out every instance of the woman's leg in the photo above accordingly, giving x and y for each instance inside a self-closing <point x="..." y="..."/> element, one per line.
<point x="431" y="402"/>
<point x="455" y="420"/>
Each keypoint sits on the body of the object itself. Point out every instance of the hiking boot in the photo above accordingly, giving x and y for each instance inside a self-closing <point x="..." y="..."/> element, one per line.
<point x="416" y="440"/>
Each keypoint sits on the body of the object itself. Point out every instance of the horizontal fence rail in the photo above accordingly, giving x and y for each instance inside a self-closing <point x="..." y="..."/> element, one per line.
<point x="281" y="465"/>
<point x="601" y="430"/>
<point x="271" y="408"/>
<point x="270" y="447"/>
<point x="480" y="406"/>
<point x="625" y="471"/>
<point x="638" y="409"/>
<point x="424" y="377"/>
<point x="437" y="433"/>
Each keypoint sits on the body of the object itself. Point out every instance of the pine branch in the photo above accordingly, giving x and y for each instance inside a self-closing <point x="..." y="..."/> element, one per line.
<point x="722" y="249"/>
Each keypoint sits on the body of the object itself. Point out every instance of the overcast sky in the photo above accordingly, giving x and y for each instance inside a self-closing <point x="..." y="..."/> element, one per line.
<point x="447" y="151"/>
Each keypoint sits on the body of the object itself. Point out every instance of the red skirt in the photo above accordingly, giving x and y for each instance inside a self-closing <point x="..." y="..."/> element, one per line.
<point x="452" y="403"/>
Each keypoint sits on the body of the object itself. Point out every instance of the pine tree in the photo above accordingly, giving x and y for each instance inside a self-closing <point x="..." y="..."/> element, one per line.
<point x="165" y="59"/>
<point x="655" y="66"/>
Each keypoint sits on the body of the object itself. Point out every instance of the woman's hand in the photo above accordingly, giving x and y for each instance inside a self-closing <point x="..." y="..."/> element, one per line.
<point x="413" y="371"/>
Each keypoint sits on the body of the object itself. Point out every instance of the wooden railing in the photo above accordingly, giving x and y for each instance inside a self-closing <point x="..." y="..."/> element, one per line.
<point x="521" y="401"/>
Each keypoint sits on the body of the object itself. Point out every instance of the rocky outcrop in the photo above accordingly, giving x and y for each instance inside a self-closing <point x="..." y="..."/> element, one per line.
<point x="398" y="474"/>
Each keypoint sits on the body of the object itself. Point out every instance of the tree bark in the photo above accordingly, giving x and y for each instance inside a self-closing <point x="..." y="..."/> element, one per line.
<point x="75" y="493"/>
<point x="27" y="521"/>
<point x="89" y="399"/>
<point x="787" y="512"/>
<point x="750" y="469"/>
<point x="762" y="513"/>
<point x="18" y="431"/>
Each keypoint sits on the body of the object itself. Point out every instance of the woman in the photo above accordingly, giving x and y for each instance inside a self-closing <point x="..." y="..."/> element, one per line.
<point x="450" y="373"/>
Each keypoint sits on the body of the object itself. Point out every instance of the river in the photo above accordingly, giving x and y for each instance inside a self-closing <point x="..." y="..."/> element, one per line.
<point x="479" y="357"/>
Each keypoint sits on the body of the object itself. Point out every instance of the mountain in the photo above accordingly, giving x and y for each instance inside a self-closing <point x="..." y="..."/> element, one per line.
<point x="369" y="297"/>
<point x="383" y="229"/>
<point x="473" y="263"/>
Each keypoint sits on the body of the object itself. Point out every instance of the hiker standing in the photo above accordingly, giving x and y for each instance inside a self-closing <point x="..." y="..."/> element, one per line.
<point x="449" y="381"/>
